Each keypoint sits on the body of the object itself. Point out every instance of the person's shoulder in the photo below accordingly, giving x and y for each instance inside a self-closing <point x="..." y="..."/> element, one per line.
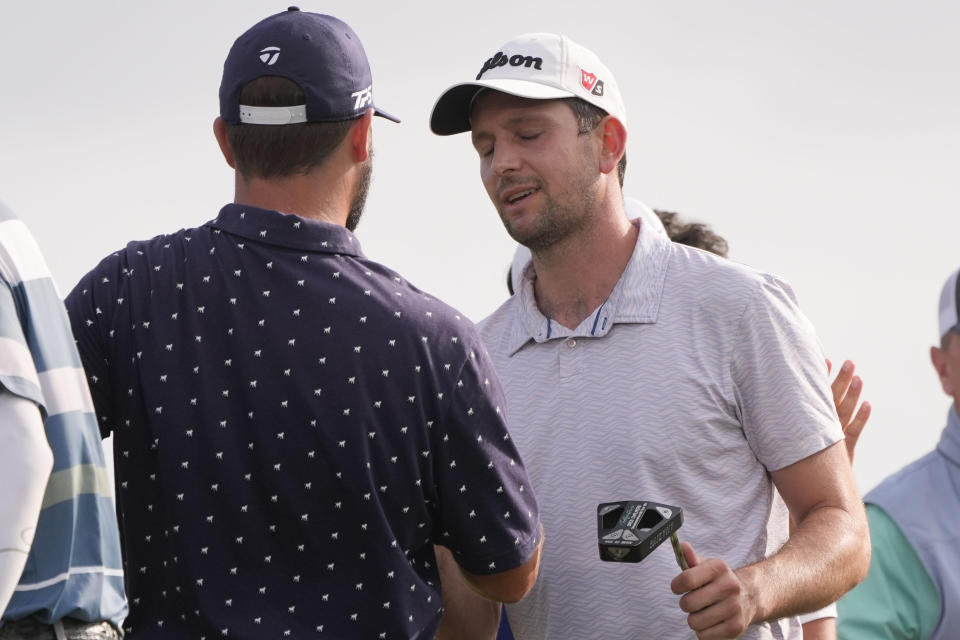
<point x="905" y="482"/>
<point x="498" y="331"/>
<point x="693" y="262"/>
<point x="162" y="243"/>
<point x="131" y="263"/>
<point x="149" y="250"/>
<point x="500" y="320"/>
<point x="421" y="311"/>
<point x="717" y="280"/>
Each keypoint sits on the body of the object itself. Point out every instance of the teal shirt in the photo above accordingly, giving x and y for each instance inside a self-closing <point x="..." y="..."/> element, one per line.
<point x="897" y="600"/>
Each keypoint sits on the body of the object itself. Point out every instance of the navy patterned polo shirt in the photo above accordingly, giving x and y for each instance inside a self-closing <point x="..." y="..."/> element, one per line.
<point x="295" y="426"/>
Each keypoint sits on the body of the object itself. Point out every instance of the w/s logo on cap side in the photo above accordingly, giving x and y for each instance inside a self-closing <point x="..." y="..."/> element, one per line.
<point x="269" y="55"/>
<point x="591" y="83"/>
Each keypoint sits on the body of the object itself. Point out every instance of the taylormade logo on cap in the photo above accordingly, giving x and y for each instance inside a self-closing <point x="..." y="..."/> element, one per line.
<point x="321" y="54"/>
<point x="269" y="55"/>
<point x="540" y="66"/>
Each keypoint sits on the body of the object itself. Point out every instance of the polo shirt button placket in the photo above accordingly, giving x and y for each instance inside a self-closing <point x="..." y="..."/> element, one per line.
<point x="569" y="358"/>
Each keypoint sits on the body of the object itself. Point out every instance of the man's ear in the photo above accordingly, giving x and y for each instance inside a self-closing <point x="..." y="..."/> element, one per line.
<point x="361" y="136"/>
<point x="939" y="359"/>
<point x="614" y="143"/>
<point x="220" y="132"/>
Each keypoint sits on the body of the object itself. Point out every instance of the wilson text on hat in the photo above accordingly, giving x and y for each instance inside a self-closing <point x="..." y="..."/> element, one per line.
<point x="500" y="59"/>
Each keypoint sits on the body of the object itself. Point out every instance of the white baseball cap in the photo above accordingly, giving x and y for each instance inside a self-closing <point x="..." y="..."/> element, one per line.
<point x="541" y="66"/>
<point x="950" y="304"/>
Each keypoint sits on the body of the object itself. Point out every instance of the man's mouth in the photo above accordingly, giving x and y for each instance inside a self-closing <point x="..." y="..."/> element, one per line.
<point x="520" y="195"/>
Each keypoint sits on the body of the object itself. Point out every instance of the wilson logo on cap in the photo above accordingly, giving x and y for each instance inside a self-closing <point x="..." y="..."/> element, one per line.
<point x="500" y="59"/>
<point x="591" y="83"/>
<point x="269" y="55"/>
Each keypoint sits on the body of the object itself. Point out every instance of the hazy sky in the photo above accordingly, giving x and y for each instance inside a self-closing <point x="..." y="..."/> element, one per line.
<point x="820" y="138"/>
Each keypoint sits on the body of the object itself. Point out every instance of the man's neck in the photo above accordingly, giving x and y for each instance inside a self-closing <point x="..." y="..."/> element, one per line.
<point x="308" y="196"/>
<point x="577" y="275"/>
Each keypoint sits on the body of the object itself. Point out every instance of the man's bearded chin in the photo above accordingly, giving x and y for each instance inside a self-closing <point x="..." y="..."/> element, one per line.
<point x="554" y="224"/>
<point x="360" y="194"/>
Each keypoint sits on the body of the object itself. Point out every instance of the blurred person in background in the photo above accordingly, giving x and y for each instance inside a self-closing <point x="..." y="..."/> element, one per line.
<point x="912" y="591"/>
<point x="60" y="568"/>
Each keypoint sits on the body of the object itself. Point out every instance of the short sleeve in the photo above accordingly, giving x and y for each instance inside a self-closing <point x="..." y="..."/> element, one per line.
<point x="18" y="371"/>
<point x="90" y="308"/>
<point x="779" y="376"/>
<point x="897" y="599"/>
<point x="488" y="514"/>
<point x="829" y="611"/>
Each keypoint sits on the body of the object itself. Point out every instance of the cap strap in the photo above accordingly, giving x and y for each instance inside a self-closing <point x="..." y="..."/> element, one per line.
<point x="273" y="115"/>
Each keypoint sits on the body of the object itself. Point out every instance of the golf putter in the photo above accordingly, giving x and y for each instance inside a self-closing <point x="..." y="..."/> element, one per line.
<point x="628" y="531"/>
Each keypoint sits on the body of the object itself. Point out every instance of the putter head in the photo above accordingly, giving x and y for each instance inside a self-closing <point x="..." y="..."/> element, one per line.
<point x="628" y="531"/>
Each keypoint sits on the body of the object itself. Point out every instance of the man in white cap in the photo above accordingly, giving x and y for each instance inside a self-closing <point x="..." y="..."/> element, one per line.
<point x="913" y="588"/>
<point x="637" y="368"/>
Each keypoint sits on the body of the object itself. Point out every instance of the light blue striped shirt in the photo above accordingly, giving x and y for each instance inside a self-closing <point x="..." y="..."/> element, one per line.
<point x="74" y="566"/>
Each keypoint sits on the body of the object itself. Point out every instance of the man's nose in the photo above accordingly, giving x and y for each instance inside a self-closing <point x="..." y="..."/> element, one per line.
<point x="505" y="159"/>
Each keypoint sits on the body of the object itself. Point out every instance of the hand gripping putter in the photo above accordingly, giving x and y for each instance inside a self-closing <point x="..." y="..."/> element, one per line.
<point x="628" y="531"/>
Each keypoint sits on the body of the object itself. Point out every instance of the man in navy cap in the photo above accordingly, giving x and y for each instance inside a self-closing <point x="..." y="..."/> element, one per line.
<point x="295" y="425"/>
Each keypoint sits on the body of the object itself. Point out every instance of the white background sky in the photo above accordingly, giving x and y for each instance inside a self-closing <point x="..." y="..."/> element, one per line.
<point x="821" y="138"/>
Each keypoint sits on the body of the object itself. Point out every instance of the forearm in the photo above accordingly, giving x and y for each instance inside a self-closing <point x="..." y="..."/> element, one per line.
<point x="473" y="618"/>
<point x="466" y="614"/>
<point x="25" y="464"/>
<point x="827" y="555"/>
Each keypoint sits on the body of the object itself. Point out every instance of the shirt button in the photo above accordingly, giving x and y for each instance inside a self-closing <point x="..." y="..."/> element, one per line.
<point x="571" y="343"/>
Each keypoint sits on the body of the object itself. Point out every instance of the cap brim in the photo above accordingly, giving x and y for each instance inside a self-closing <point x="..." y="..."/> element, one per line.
<point x="384" y="114"/>
<point x="451" y="112"/>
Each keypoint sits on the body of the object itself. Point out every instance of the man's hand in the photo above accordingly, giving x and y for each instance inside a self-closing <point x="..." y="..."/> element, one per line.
<point x="719" y="603"/>
<point x="846" y="389"/>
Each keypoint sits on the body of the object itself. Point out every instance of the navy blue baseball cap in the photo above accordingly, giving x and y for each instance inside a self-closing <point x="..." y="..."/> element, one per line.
<point x="320" y="53"/>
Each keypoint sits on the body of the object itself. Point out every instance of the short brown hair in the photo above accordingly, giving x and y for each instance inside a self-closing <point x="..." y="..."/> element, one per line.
<point x="278" y="151"/>
<point x="588" y="118"/>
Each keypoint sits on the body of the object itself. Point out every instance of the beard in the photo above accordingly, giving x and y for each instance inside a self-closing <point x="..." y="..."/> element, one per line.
<point x="360" y="194"/>
<point x="556" y="220"/>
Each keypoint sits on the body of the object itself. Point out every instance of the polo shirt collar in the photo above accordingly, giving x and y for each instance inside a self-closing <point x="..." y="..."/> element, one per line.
<point x="949" y="444"/>
<point x="286" y="230"/>
<point x="634" y="299"/>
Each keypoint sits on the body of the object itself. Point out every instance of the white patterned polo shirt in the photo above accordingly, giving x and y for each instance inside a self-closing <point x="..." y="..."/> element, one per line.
<point x="695" y="379"/>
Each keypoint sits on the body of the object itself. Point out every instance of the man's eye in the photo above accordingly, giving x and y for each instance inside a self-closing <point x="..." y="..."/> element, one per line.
<point x="483" y="152"/>
<point x="528" y="136"/>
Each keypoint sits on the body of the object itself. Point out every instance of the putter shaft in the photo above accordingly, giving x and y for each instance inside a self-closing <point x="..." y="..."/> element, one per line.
<point x="675" y="541"/>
